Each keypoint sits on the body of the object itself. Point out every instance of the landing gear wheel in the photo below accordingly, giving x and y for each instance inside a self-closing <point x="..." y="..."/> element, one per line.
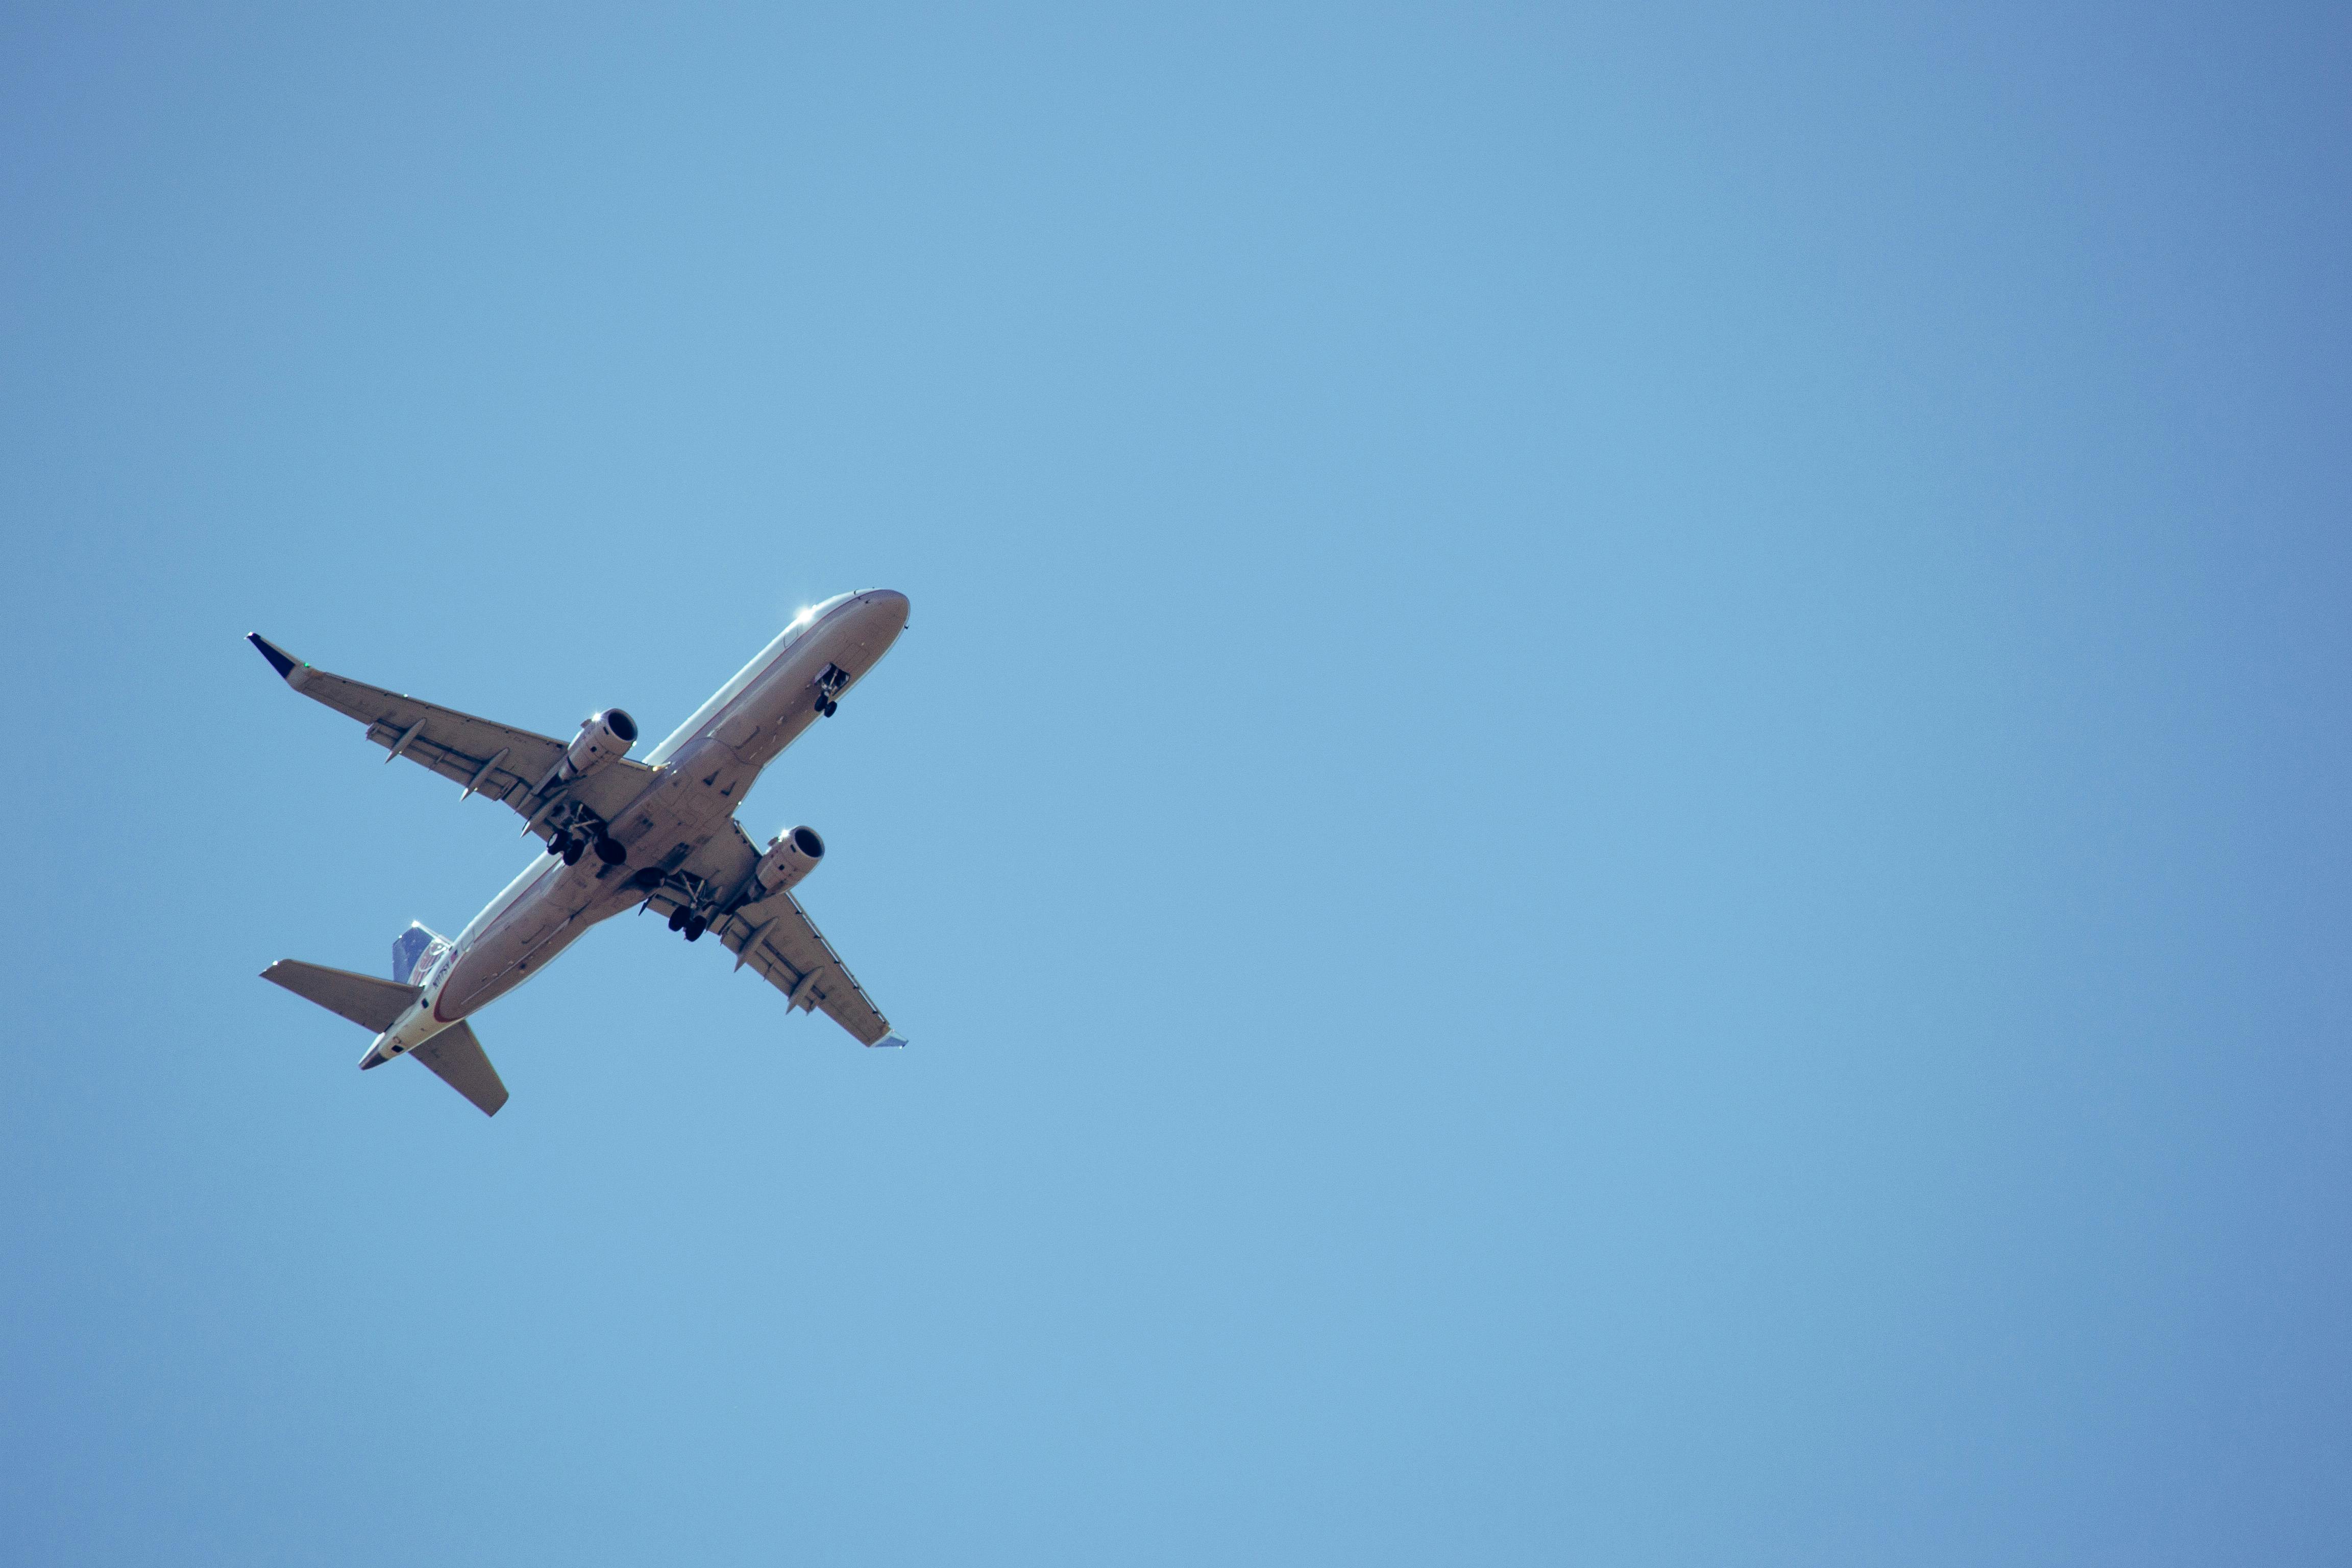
<point x="677" y="918"/>
<point x="573" y="850"/>
<point x="555" y="846"/>
<point x="829" y="709"/>
<point x="611" y="851"/>
<point x="694" y="930"/>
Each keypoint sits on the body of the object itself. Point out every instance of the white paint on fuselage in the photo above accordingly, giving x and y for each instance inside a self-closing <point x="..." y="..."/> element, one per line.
<point x="699" y="779"/>
<point x="769" y="659"/>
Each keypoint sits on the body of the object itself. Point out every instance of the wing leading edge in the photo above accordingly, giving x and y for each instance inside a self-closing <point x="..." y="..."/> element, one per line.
<point x="488" y="758"/>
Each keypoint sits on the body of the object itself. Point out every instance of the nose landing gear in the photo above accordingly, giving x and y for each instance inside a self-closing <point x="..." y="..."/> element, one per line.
<point x="830" y="686"/>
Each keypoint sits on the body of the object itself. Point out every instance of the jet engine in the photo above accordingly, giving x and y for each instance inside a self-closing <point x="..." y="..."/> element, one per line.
<point x="603" y="736"/>
<point x="791" y="856"/>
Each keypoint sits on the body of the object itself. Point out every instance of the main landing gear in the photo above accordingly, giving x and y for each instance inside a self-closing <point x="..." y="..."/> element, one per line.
<point x="695" y="903"/>
<point x="571" y="846"/>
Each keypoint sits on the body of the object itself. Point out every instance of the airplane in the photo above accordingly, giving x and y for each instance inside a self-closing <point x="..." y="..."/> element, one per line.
<point x="657" y="833"/>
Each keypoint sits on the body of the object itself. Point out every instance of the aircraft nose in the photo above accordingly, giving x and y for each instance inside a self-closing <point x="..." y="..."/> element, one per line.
<point x="881" y="616"/>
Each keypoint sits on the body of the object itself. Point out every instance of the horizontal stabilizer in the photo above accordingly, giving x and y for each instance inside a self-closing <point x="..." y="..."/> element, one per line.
<point x="366" y="1001"/>
<point x="461" y="1063"/>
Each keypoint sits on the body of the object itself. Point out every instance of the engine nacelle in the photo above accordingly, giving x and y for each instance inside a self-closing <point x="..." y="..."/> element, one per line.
<point x="791" y="856"/>
<point x="603" y="736"/>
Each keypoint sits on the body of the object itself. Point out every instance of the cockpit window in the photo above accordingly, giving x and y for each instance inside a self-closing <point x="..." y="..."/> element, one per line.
<point x="812" y="615"/>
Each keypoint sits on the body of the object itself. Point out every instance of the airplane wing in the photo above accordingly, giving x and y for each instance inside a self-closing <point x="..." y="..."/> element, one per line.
<point x="491" y="758"/>
<point x="776" y="937"/>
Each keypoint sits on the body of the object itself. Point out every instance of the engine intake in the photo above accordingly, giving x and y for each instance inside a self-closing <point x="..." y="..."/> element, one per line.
<point x="603" y="736"/>
<point x="791" y="856"/>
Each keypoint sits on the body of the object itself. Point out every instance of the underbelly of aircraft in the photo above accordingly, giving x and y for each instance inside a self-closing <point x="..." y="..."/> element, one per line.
<point x="553" y="914"/>
<point x="512" y="950"/>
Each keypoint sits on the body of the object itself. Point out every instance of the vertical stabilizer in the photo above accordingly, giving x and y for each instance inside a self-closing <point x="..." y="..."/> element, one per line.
<point x="413" y="950"/>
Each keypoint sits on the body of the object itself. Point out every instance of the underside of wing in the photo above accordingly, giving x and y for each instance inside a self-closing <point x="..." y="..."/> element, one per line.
<point x="486" y="757"/>
<point x="793" y="955"/>
<point x="773" y="935"/>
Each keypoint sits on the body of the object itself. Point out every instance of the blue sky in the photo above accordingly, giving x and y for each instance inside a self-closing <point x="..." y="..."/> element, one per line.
<point x="1612" y="829"/>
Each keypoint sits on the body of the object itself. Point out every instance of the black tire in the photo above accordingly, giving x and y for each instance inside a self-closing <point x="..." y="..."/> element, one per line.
<point x="829" y="709"/>
<point x="573" y="850"/>
<point x="694" y="930"/>
<point x="677" y="918"/>
<point x="555" y="846"/>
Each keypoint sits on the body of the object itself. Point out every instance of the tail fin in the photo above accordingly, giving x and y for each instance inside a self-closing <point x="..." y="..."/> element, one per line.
<point x="414" y="950"/>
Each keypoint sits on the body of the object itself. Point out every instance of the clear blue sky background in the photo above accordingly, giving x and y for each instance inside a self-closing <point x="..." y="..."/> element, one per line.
<point x="1614" y="829"/>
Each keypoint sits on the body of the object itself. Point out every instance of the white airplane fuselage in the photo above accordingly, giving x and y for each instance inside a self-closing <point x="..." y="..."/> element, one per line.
<point x="701" y="773"/>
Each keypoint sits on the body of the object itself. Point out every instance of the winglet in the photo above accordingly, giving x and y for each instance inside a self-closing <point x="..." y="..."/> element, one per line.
<point x="284" y="663"/>
<point x="888" y="1040"/>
